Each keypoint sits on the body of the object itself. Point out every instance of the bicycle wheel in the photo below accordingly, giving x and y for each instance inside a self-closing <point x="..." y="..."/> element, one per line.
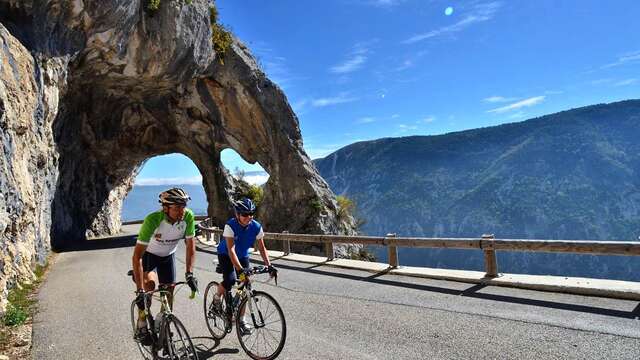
<point x="215" y="318"/>
<point x="266" y="321"/>
<point x="176" y="340"/>
<point x="146" y="351"/>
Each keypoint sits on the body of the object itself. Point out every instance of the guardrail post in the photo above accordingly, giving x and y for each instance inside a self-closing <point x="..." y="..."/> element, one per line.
<point x="328" y="248"/>
<point x="216" y="236"/>
<point x="490" y="259"/>
<point x="286" y="245"/>
<point x="393" y="253"/>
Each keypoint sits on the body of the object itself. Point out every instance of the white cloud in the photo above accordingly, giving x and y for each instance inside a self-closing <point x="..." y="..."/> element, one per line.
<point x="350" y="65"/>
<point x="299" y="105"/>
<point x="355" y="59"/>
<point x="429" y="119"/>
<point x="340" y="99"/>
<point x="366" y="120"/>
<point x="498" y="99"/>
<point x="322" y="151"/>
<point x="520" y="104"/>
<point x="395" y="116"/>
<point x="626" y="82"/>
<point x="405" y="127"/>
<point x="627" y="58"/>
<point x="479" y="13"/>
<point x="405" y="65"/>
<point x="601" y="81"/>
<point x="385" y="3"/>
<point x="275" y="66"/>
<point x="256" y="179"/>
<point x="193" y="180"/>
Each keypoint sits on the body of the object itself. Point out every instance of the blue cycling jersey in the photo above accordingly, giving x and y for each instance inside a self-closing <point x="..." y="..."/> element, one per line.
<point x="243" y="237"/>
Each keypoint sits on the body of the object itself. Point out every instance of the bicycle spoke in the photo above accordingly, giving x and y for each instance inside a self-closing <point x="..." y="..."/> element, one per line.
<point x="267" y="336"/>
<point x="215" y="319"/>
<point x="180" y="344"/>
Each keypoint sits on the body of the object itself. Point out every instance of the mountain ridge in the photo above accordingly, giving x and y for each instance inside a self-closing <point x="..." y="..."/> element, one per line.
<point x="569" y="175"/>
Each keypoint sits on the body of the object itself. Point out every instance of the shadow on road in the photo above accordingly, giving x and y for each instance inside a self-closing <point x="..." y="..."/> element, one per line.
<point x="101" y="243"/>
<point x="471" y="292"/>
<point x="207" y="347"/>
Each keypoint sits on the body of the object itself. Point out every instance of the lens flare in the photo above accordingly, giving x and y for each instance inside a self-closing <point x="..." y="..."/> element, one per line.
<point x="448" y="11"/>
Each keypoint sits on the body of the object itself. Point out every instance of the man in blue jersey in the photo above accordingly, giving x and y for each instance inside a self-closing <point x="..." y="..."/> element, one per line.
<point x="154" y="254"/>
<point x="240" y="233"/>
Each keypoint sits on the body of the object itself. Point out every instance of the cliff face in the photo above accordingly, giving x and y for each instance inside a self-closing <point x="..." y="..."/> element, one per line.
<point x="90" y="90"/>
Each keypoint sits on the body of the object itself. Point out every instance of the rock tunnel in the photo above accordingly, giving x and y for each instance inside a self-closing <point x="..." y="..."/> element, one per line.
<point x="122" y="85"/>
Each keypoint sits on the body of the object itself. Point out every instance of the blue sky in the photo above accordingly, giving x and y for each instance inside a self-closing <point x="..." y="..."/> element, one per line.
<point x="364" y="69"/>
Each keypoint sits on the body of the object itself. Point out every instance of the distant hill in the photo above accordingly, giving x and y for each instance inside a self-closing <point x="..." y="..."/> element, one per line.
<point x="569" y="175"/>
<point x="143" y="199"/>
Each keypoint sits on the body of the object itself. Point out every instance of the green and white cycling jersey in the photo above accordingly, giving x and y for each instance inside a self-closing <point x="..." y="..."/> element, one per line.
<point x="161" y="237"/>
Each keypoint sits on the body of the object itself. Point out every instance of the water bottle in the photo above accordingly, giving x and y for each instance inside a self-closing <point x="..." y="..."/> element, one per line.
<point x="156" y="323"/>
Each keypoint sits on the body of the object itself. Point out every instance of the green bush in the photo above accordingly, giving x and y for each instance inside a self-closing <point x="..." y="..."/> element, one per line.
<point x="345" y="207"/>
<point x="220" y="36"/>
<point x="316" y="204"/>
<point x="153" y="5"/>
<point x="15" y="315"/>
<point x="255" y="193"/>
<point x="246" y="190"/>
<point x="20" y="304"/>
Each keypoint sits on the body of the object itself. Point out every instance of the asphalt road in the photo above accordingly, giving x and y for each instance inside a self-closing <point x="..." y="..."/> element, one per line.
<point x="337" y="314"/>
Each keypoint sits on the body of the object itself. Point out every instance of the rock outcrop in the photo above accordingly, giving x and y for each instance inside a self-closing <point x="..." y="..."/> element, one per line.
<point x="90" y="90"/>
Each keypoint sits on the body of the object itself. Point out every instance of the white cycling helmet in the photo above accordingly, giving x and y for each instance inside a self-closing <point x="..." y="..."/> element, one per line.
<point x="173" y="196"/>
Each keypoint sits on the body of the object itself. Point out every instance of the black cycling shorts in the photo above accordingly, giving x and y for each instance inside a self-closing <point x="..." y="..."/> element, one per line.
<point x="228" y="271"/>
<point x="165" y="266"/>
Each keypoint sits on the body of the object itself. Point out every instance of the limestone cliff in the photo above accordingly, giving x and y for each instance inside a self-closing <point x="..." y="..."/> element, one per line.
<point x="89" y="90"/>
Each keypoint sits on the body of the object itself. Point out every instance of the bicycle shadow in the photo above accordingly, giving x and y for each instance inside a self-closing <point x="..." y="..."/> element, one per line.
<point x="208" y="347"/>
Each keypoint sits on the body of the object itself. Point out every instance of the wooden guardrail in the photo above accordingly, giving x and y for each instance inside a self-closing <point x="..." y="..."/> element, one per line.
<point x="487" y="243"/>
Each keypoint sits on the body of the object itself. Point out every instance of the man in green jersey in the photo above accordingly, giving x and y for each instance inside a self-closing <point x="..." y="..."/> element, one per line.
<point x="154" y="253"/>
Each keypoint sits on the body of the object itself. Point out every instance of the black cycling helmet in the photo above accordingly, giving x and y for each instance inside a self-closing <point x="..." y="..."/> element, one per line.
<point x="173" y="196"/>
<point x="244" y="206"/>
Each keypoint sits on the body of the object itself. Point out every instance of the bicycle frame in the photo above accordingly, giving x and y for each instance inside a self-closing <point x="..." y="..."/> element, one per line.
<point x="243" y="289"/>
<point x="160" y="294"/>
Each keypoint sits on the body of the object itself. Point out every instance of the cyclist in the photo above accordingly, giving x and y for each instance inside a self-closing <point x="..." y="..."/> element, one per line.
<point x="154" y="253"/>
<point x="240" y="233"/>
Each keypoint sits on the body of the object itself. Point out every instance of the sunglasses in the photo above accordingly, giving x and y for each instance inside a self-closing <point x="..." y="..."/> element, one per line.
<point x="245" y="214"/>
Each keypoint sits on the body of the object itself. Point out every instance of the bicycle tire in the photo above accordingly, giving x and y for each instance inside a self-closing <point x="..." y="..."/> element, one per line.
<point x="186" y="350"/>
<point x="146" y="351"/>
<point x="267" y="322"/>
<point x="216" y="320"/>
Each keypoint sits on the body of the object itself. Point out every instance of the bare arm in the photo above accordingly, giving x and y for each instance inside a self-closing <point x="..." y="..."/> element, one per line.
<point x="263" y="252"/>
<point x="136" y="263"/>
<point x="191" y="253"/>
<point x="231" y="246"/>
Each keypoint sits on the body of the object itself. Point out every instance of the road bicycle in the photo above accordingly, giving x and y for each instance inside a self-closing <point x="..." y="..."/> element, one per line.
<point x="169" y="339"/>
<point x="263" y="316"/>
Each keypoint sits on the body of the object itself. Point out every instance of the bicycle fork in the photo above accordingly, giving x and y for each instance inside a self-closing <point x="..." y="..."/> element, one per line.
<point x="253" y="304"/>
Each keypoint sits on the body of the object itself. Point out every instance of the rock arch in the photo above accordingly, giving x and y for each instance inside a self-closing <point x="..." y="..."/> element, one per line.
<point x="90" y="89"/>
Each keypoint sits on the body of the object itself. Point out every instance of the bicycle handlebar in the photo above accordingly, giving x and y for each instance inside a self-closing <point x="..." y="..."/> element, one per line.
<point x="260" y="270"/>
<point x="163" y="287"/>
